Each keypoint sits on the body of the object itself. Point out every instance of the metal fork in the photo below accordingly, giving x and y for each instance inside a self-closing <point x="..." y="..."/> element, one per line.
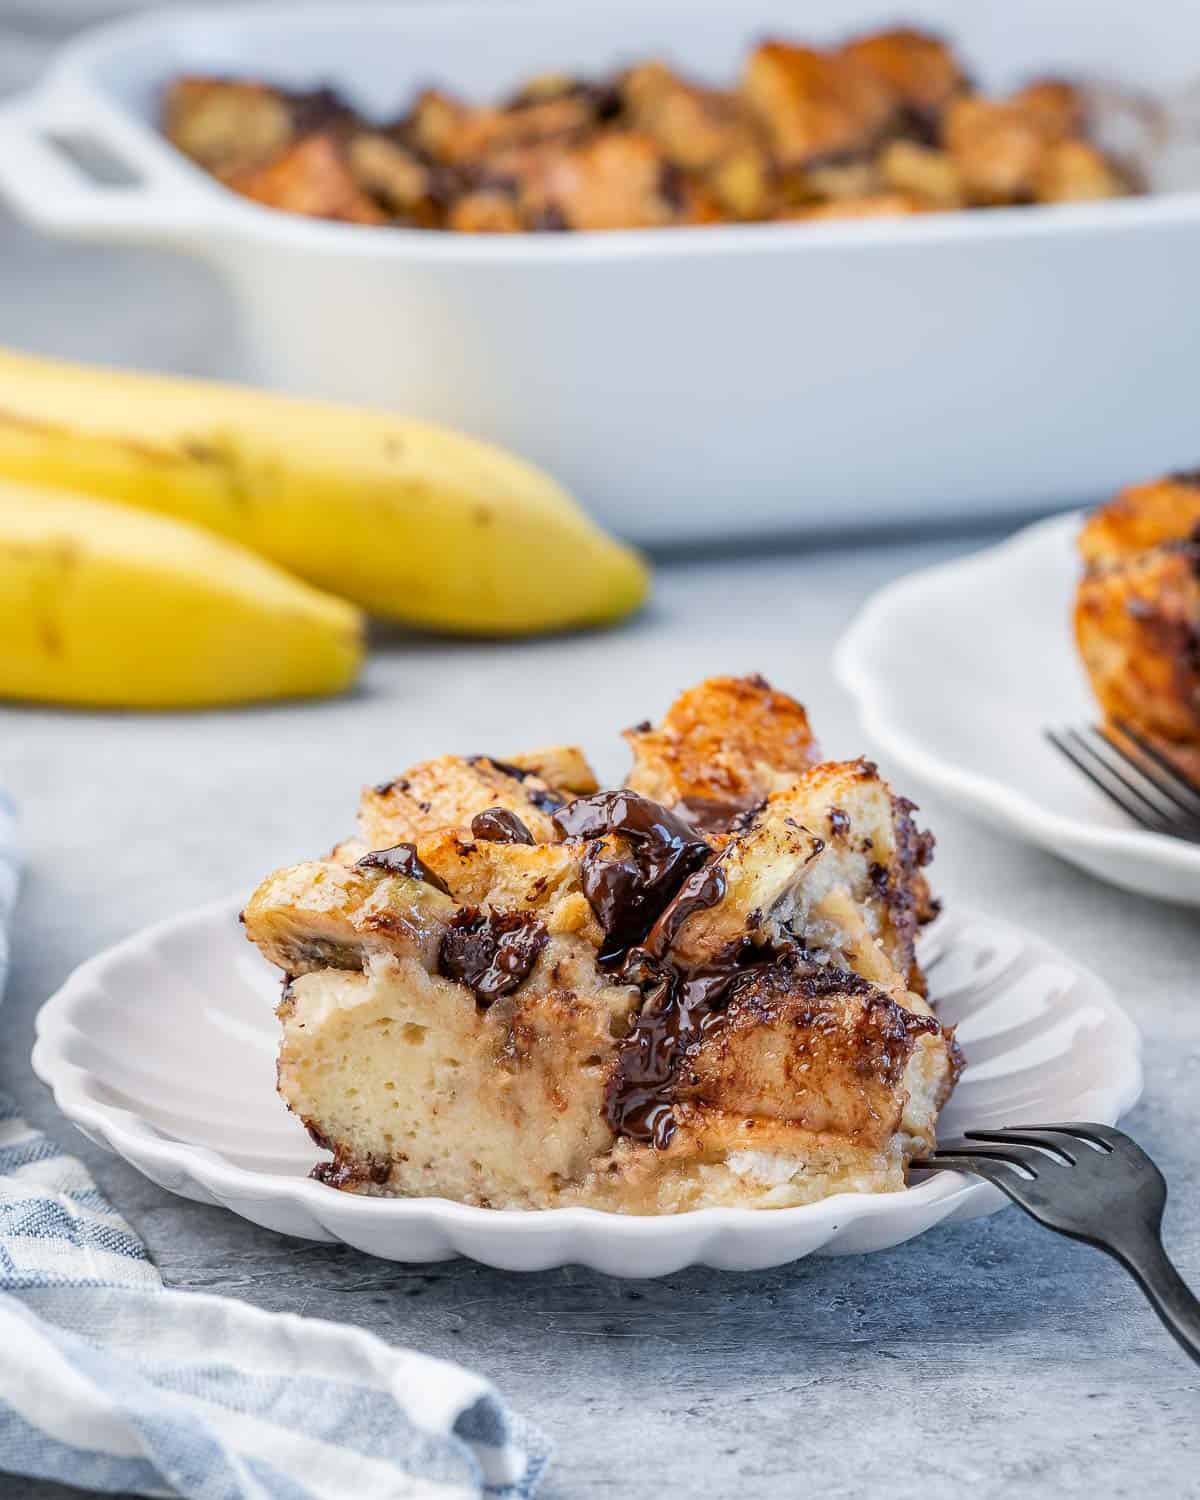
<point x="1093" y="1183"/>
<point x="1136" y="775"/>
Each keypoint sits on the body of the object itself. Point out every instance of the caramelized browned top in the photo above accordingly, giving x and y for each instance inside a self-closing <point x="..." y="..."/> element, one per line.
<point x="733" y="739"/>
<point x="886" y="124"/>
<point x="1143" y="516"/>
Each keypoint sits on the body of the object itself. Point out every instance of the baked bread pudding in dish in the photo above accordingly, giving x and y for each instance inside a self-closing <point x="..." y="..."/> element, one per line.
<point x="1137" y="612"/>
<point x="887" y="124"/>
<point x="517" y="990"/>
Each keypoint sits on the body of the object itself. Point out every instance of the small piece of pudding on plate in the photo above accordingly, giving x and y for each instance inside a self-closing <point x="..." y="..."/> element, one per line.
<point x="517" y="990"/>
<point x="1137" y="612"/>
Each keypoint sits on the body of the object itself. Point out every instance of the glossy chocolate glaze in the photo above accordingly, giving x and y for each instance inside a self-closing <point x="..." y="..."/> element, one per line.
<point x="628" y="891"/>
<point x="496" y="825"/>
<point x="402" y="859"/>
<point x="490" y="952"/>
<point x="700" y="890"/>
<point x="718" y="814"/>
<point x="641" y="900"/>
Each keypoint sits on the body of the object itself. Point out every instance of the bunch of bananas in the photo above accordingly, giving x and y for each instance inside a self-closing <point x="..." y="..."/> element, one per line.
<point x="166" y="542"/>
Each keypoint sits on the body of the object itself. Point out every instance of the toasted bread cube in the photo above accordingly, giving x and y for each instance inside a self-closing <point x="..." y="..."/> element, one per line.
<point x="1076" y="172"/>
<point x="816" y="104"/>
<point x="731" y="738"/>
<point x="311" y="177"/>
<point x="448" y="793"/>
<point x="921" y="173"/>
<point x="226" y="125"/>
<point x="920" y="69"/>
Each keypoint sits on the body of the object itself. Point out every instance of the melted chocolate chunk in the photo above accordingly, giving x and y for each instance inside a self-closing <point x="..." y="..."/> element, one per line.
<point x="629" y="891"/>
<point x="1186" y="476"/>
<point x="496" y="825"/>
<point x="718" y="814"/>
<point x="700" y="890"/>
<point x="403" y="859"/>
<point x="839" y="823"/>
<point x="680" y="1007"/>
<point x="348" y="1171"/>
<point x="490" y="953"/>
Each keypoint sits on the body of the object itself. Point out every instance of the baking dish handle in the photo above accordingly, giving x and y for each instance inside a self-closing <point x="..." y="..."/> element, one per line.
<point x="47" y="135"/>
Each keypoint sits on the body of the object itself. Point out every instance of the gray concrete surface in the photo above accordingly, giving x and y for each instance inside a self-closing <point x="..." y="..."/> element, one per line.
<point x="992" y="1359"/>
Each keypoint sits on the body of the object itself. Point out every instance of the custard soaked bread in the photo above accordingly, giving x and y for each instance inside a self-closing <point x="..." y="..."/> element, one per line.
<point x="516" y="990"/>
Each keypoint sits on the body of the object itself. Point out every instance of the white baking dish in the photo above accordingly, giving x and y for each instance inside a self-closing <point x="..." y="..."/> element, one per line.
<point x="688" y="383"/>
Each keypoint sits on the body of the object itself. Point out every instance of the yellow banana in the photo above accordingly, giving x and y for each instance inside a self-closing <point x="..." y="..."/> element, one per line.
<point x="104" y="606"/>
<point x="409" y="520"/>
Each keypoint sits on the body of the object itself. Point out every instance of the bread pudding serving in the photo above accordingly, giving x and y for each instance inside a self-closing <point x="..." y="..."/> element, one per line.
<point x="517" y="990"/>
<point x="883" y="125"/>
<point x="1137" y="612"/>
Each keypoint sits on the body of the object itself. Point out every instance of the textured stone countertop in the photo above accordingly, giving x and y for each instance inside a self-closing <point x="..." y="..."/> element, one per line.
<point x="992" y="1358"/>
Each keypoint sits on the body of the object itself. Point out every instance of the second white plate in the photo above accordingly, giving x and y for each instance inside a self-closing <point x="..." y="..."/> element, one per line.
<point x="958" y="670"/>
<point x="163" y="1049"/>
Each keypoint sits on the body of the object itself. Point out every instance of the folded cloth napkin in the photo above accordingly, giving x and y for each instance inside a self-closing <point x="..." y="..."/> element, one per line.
<point x="110" y="1382"/>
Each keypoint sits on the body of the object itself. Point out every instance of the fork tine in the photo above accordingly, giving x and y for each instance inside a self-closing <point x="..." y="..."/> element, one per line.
<point x="1155" y="823"/>
<point x="1024" y="1157"/>
<point x="1171" y="778"/>
<point x="1104" y="1136"/>
<point x="1026" y="1136"/>
<point x="1116" y="761"/>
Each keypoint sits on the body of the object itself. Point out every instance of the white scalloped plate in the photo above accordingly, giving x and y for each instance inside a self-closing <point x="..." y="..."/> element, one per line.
<point x="958" y="669"/>
<point x="163" y="1049"/>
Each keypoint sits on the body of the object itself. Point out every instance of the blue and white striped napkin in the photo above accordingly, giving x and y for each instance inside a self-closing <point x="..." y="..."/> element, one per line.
<point x="108" y="1381"/>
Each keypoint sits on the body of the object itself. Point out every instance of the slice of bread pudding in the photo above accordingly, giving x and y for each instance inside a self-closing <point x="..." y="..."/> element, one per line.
<point x="516" y="990"/>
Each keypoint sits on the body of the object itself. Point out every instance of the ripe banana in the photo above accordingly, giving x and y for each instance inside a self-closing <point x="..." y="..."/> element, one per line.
<point x="105" y="606"/>
<point x="409" y="520"/>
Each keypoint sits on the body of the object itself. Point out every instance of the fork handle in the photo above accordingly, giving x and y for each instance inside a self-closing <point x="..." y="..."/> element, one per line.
<point x="1170" y="1296"/>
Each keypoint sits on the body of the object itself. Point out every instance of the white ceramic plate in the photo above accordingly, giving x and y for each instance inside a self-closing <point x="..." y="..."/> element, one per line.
<point x="958" y="669"/>
<point x="163" y="1050"/>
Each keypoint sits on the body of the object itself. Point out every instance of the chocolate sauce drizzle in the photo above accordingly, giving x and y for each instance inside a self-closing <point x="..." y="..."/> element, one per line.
<point x="641" y="899"/>
<point x="680" y="1006"/>
<point x="403" y="859"/>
